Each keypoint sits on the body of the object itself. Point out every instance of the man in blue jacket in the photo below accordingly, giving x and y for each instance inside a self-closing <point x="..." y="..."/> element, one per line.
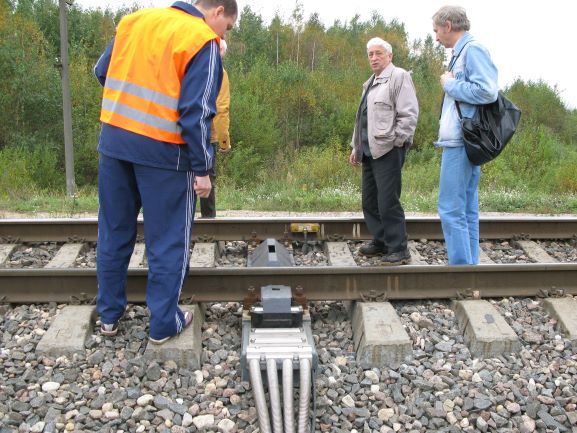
<point x="471" y="80"/>
<point x="161" y="76"/>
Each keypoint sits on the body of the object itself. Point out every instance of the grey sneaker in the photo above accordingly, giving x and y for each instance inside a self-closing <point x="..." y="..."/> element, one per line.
<point x="372" y="249"/>
<point x="398" y="258"/>
<point x="109" y="330"/>
<point x="187" y="321"/>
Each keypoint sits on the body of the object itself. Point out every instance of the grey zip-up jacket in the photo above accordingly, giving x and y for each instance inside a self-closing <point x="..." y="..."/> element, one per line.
<point x="392" y="112"/>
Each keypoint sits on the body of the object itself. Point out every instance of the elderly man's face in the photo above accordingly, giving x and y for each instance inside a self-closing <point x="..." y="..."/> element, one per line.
<point x="443" y="34"/>
<point x="379" y="58"/>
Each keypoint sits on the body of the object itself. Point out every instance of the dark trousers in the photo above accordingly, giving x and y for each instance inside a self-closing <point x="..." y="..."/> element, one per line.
<point x="208" y="205"/>
<point x="384" y="215"/>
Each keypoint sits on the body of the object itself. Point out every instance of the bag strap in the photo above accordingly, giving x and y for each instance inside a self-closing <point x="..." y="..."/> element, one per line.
<point x="454" y="58"/>
<point x="458" y="110"/>
<point x="451" y="66"/>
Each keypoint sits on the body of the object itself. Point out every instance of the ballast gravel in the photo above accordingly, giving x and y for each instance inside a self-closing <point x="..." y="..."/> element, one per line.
<point x="442" y="388"/>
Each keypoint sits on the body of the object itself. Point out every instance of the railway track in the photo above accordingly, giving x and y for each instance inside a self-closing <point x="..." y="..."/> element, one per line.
<point x="61" y="282"/>
<point x="389" y="367"/>
<point x="65" y="229"/>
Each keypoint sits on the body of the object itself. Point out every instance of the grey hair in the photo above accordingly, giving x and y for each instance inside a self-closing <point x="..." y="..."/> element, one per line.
<point x="456" y="15"/>
<point x="382" y="43"/>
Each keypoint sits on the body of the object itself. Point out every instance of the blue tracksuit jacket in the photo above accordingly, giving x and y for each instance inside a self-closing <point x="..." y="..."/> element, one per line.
<point x="194" y="108"/>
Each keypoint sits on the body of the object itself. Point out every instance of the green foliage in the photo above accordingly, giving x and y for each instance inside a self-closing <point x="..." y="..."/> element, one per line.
<point x="295" y="85"/>
<point x="255" y="137"/>
<point x="314" y="168"/>
<point x="45" y="14"/>
<point x="566" y="174"/>
<point x="85" y="89"/>
<point x="241" y="168"/>
<point x="27" y="169"/>
<point x="539" y="103"/>
<point x="30" y="102"/>
<point x="15" y="181"/>
<point x="427" y="67"/>
<point x="251" y="40"/>
<point x="421" y="171"/>
<point x="569" y="134"/>
<point x="526" y="161"/>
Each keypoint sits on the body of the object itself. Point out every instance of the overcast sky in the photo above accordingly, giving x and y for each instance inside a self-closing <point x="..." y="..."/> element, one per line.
<point x="527" y="39"/>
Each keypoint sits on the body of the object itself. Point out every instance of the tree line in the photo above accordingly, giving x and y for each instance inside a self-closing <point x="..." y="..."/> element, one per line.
<point x="295" y="86"/>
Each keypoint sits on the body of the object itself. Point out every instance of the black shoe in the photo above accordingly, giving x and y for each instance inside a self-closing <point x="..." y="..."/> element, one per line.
<point x="398" y="258"/>
<point x="372" y="249"/>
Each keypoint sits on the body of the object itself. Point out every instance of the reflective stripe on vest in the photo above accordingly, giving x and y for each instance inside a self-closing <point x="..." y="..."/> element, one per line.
<point x="142" y="92"/>
<point x="151" y="51"/>
<point x="141" y="116"/>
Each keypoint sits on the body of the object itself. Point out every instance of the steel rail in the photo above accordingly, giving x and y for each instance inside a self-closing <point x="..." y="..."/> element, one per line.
<point x="318" y="283"/>
<point x="221" y="229"/>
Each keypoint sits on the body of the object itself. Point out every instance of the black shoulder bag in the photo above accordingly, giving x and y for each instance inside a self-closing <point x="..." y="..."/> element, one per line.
<point x="487" y="133"/>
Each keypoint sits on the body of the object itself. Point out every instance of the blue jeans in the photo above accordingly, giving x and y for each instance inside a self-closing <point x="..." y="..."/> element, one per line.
<point x="458" y="206"/>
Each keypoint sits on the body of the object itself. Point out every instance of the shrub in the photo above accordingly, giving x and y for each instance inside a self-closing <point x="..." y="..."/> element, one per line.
<point x="565" y="174"/>
<point x="28" y="169"/>
<point x="527" y="161"/>
<point x="15" y="179"/>
<point x="241" y="168"/>
<point x="539" y="103"/>
<point x="323" y="166"/>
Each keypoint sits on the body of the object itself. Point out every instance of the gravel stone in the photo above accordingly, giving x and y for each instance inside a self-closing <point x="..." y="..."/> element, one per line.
<point x="112" y="388"/>
<point x="203" y="421"/>
<point x="50" y="386"/>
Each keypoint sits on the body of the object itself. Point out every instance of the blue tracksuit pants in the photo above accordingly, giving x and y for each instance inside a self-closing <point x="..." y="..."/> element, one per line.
<point x="167" y="199"/>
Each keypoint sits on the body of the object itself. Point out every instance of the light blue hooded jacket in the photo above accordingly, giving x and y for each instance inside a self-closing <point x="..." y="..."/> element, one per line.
<point x="475" y="83"/>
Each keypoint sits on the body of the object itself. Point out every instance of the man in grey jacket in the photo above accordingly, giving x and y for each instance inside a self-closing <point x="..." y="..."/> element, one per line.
<point x="384" y="129"/>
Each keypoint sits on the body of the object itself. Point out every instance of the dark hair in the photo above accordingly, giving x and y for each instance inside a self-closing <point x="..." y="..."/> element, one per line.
<point x="230" y="7"/>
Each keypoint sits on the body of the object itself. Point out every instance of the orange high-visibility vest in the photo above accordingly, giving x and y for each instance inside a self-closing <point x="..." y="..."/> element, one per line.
<point x="151" y="50"/>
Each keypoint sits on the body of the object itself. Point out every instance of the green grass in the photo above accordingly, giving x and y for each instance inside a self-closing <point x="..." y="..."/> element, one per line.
<point x="347" y="198"/>
<point x="535" y="174"/>
<point x="85" y="200"/>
